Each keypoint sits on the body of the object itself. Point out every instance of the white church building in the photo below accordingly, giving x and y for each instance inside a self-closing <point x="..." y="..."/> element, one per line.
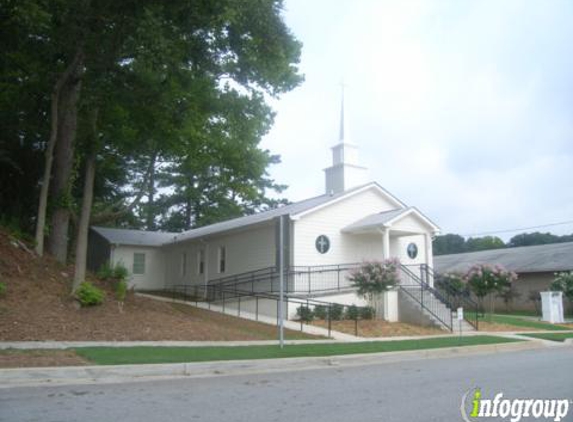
<point x="353" y="221"/>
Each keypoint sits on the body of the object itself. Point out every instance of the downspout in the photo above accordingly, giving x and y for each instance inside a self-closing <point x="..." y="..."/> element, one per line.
<point x="205" y="264"/>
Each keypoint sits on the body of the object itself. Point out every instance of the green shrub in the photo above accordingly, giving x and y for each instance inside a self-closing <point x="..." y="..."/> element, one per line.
<point x="121" y="290"/>
<point x="336" y="311"/>
<point x="2" y="289"/>
<point x="117" y="272"/>
<point x="320" y="312"/>
<point x="367" y="312"/>
<point x="564" y="282"/>
<point x="89" y="295"/>
<point x="352" y="312"/>
<point x="105" y="272"/>
<point x="304" y="313"/>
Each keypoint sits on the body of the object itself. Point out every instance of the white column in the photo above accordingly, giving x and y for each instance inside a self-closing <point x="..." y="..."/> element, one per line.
<point x="386" y="243"/>
<point x="429" y="256"/>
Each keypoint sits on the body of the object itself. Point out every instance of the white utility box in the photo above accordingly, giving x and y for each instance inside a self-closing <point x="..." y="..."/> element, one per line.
<point x="552" y="307"/>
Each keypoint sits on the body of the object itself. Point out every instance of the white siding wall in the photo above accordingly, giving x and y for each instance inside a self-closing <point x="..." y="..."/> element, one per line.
<point x="154" y="266"/>
<point x="246" y="250"/>
<point x="400" y="249"/>
<point x="329" y="221"/>
<point x="399" y="244"/>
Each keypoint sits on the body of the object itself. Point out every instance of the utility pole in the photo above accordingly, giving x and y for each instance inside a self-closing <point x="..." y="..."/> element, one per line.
<point x="281" y="281"/>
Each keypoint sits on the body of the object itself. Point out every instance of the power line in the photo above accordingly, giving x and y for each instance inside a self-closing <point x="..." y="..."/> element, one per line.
<point x="521" y="229"/>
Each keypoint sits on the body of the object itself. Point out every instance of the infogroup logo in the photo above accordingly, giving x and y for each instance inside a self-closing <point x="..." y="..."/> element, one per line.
<point x="474" y="407"/>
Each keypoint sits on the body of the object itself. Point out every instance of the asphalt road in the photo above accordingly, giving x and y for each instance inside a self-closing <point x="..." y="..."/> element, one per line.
<point x="425" y="390"/>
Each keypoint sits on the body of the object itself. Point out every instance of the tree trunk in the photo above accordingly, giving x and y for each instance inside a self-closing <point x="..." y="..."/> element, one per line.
<point x="63" y="165"/>
<point x="84" y="223"/>
<point x="49" y="155"/>
<point x="151" y="194"/>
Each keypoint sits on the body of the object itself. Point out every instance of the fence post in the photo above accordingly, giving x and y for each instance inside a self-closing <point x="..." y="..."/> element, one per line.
<point x="356" y="325"/>
<point x="338" y="275"/>
<point x="257" y="308"/>
<point x="309" y="290"/>
<point x="223" y="301"/>
<point x="239" y="307"/>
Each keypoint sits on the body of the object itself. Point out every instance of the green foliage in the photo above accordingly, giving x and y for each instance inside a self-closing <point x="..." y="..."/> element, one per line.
<point x="508" y="296"/>
<point x="454" y="243"/>
<point x="336" y="311"/>
<point x="375" y="277"/>
<point x="121" y="290"/>
<point x="448" y="244"/>
<point x="185" y="86"/>
<point x="563" y="282"/>
<point x="305" y="313"/>
<point x="474" y="244"/>
<point x="484" y="279"/>
<point x="537" y="238"/>
<point x="2" y="288"/>
<point x="89" y="295"/>
<point x="353" y="312"/>
<point x="320" y="312"/>
<point x="367" y="312"/>
<point x="108" y="272"/>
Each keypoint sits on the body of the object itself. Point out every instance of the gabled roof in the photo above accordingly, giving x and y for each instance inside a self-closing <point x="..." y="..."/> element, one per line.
<point x="134" y="237"/>
<point x="386" y="219"/>
<point x="524" y="259"/>
<point x="295" y="210"/>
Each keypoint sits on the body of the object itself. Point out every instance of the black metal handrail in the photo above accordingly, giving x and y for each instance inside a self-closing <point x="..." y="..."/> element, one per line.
<point x="429" y="299"/>
<point x="456" y="298"/>
<point x="221" y="295"/>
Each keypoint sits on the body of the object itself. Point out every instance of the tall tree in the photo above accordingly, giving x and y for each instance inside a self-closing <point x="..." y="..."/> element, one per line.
<point x="449" y="244"/>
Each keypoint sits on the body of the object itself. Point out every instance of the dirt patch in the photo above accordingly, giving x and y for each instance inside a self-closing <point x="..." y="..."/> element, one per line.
<point x="36" y="358"/>
<point x="38" y="306"/>
<point x="379" y="328"/>
<point x="492" y="326"/>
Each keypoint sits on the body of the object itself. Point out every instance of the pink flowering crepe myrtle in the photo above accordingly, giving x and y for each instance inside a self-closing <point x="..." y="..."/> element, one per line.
<point x="484" y="279"/>
<point x="375" y="277"/>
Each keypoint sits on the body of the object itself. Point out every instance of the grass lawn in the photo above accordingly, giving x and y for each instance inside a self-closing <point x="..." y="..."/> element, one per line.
<point x="550" y="336"/>
<point x="146" y="354"/>
<point x="523" y="322"/>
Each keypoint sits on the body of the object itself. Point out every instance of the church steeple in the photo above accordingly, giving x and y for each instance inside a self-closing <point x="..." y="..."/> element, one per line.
<point x="345" y="171"/>
<point x="342" y="119"/>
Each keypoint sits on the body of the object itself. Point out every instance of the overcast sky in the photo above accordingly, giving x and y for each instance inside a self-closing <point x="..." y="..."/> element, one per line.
<point x="461" y="108"/>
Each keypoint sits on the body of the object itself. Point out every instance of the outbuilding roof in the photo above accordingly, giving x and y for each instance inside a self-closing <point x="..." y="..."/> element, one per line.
<point x="134" y="237"/>
<point x="524" y="259"/>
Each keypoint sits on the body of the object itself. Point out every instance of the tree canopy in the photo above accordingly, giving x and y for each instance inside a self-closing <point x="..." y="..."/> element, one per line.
<point x="149" y="112"/>
<point x="454" y="243"/>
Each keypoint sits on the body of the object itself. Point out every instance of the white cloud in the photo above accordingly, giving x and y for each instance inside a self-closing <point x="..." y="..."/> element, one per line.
<point x="460" y="108"/>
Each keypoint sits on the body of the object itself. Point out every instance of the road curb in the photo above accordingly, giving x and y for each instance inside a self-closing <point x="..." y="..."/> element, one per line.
<point x="26" y="377"/>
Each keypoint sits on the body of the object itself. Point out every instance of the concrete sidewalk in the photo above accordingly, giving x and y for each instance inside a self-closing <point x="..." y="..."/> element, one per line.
<point x="21" y="377"/>
<point x="29" y="345"/>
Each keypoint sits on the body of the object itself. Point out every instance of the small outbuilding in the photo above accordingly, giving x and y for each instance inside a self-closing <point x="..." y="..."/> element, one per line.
<point x="535" y="266"/>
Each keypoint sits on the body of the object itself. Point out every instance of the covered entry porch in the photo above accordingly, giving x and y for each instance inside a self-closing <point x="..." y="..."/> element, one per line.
<point x="405" y="234"/>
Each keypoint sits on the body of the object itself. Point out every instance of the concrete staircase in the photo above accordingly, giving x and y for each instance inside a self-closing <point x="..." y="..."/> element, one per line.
<point x="434" y="312"/>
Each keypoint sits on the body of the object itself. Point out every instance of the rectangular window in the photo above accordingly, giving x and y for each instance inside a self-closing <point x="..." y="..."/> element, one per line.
<point x="138" y="263"/>
<point x="222" y="259"/>
<point x="184" y="264"/>
<point x="201" y="261"/>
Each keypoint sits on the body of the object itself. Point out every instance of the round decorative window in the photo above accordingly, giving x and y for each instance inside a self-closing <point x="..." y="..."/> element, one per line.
<point x="322" y="244"/>
<point x="412" y="250"/>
